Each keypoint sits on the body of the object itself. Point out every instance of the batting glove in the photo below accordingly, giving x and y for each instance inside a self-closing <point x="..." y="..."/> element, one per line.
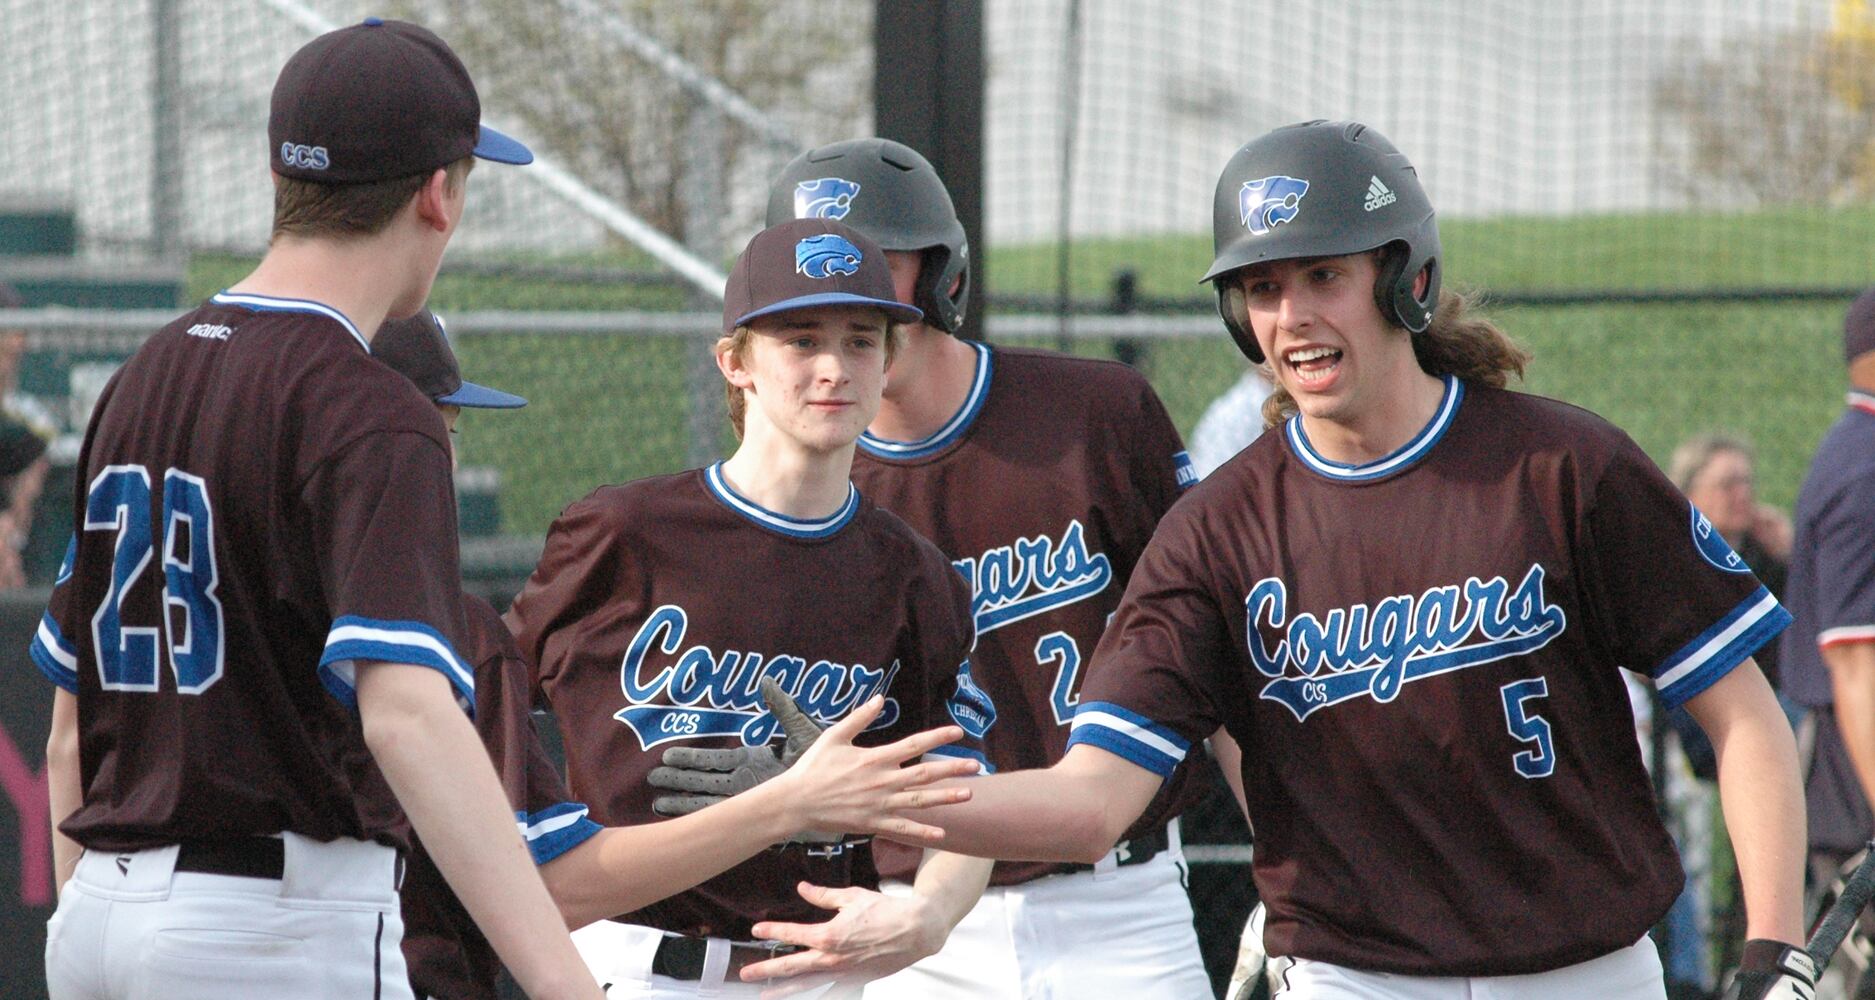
<point x="1773" y="970"/>
<point x="705" y="777"/>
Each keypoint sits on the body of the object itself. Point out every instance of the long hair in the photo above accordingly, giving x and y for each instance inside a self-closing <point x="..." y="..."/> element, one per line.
<point x="1457" y="342"/>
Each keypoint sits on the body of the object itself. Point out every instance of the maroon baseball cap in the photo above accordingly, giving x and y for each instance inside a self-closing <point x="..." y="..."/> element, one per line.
<point x="418" y="349"/>
<point x="378" y="100"/>
<point x="1858" y="327"/>
<point x="805" y="263"/>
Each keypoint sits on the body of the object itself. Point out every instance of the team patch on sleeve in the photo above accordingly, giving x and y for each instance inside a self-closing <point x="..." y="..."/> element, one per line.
<point x="1129" y="735"/>
<point x="354" y="638"/>
<point x="1187" y="473"/>
<point x="555" y="830"/>
<point x="970" y="706"/>
<point x="1713" y="653"/>
<point x="54" y="656"/>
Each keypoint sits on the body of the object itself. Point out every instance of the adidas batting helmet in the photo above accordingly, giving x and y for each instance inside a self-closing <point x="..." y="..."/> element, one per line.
<point x="1324" y="189"/>
<point x="887" y="191"/>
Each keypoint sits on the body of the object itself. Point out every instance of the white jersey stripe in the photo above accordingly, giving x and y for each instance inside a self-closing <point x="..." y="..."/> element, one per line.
<point x="1131" y="730"/>
<point x="57" y="650"/>
<point x="1845" y="634"/>
<point x="1698" y="658"/>
<point x="361" y="633"/>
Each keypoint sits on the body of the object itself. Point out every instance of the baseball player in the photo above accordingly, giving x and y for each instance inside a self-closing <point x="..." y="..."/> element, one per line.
<point x="255" y="634"/>
<point x="591" y="871"/>
<point x="1409" y="603"/>
<point x="1041" y="476"/>
<point x="660" y="604"/>
<point x="1829" y="654"/>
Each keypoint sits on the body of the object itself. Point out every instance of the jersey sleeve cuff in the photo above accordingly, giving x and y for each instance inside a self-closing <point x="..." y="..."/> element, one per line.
<point x="1129" y="735"/>
<point x="952" y="752"/>
<point x="1713" y="653"/>
<point x="1845" y="635"/>
<point x="555" y="830"/>
<point x="55" y="657"/>
<point x="354" y="638"/>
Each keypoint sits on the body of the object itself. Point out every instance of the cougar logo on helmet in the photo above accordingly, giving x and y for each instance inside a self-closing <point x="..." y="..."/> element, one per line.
<point x="1269" y="202"/>
<point x="826" y="255"/>
<point x="824" y="198"/>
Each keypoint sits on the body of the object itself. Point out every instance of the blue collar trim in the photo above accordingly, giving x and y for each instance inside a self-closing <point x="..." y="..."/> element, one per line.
<point x="953" y="428"/>
<point x="267" y="303"/>
<point x="793" y="527"/>
<point x="1412" y="451"/>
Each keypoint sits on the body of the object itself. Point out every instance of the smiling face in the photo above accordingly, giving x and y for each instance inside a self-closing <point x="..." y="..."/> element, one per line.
<point x="810" y="376"/>
<point x="1317" y="323"/>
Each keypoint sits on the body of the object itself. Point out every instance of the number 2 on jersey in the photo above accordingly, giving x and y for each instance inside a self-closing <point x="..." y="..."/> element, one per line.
<point x="1060" y="649"/>
<point x="1540" y="760"/>
<point x="119" y="502"/>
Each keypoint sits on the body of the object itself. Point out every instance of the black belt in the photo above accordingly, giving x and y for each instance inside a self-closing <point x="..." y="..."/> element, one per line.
<point x="247" y="857"/>
<point x="682" y="957"/>
<point x="1136" y="851"/>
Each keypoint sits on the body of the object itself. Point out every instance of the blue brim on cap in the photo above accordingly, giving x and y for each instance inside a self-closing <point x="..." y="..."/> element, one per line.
<point x="898" y="312"/>
<point x="501" y="148"/>
<point x="482" y="397"/>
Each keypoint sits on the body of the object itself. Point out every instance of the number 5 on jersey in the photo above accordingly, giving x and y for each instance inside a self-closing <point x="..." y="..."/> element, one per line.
<point x="1540" y="760"/>
<point x="119" y="502"/>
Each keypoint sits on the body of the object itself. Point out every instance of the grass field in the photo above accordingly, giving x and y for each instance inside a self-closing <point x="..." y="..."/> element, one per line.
<point x="605" y="409"/>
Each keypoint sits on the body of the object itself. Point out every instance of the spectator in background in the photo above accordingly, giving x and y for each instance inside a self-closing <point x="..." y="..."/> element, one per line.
<point x="1828" y="655"/>
<point x="23" y="461"/>
<point x="1232" y="421"/>
<point x="1717" y="472"/>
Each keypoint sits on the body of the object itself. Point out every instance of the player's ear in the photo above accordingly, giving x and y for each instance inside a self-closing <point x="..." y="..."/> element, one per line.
<point x="732" y="362"/>
<point x="433" y="207"/>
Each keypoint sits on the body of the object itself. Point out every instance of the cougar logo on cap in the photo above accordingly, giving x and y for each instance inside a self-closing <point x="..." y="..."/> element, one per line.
<point x="825" y="198"/>
<point x="826" y="255"/>
<point x="1269" y="202"/>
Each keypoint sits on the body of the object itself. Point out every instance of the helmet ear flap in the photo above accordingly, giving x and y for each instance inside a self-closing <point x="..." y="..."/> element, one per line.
<point x="1231" y="307"/>
<point x="936" y="271"/>
<point x="1393" y="289"/>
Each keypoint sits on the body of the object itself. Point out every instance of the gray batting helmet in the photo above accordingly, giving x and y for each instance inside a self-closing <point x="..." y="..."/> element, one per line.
<point x="887" y="191"/>
<point x="1324" y="189"/>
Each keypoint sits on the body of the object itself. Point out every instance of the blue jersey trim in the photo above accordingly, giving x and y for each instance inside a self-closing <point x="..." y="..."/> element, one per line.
<point x="1713" y="653"/>
<point x="1121" y="745"/>
<point x="953" y="750"/>
<point x="793" y="527"/>
<point x="555" y="830"/>
<point x="53" y="655"/>
<point x="1407" y="454"/>
<point x="354" y="638"/>
<point x="272" y="304"/>
<point x="953" y="428"/>
<point x="1121" y="731"/>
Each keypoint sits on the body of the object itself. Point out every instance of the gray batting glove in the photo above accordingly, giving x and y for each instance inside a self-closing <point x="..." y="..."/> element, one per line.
<point x="706" y="777"/>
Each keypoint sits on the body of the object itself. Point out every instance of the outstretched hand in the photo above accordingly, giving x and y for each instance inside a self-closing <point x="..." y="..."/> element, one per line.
<point x="864" y="790"/>
<point x="829" y="786"/>
<point x="871" y="935"/>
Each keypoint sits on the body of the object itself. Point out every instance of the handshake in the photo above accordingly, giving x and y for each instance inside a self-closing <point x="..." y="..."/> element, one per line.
<point x="832" y="788"/>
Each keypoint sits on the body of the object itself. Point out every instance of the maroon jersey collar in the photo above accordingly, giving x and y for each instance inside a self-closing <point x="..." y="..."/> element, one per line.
<point x="271" y="304"/>
<point x="953" y="429"/>
<point x="793" y="527"/>
<point x="1403" y="457"/>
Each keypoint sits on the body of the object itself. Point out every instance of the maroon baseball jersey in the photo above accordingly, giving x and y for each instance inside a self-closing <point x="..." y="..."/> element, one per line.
<point x="658" y="606"/>
<point x="1419" y="657"/>
<point x="1043" y="490"/>
<point x="446" y="952"/>
<point x="259" y="505"/>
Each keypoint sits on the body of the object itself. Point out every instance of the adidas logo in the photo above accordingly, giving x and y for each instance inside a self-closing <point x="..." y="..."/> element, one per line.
<point x="1378" y="195"/>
